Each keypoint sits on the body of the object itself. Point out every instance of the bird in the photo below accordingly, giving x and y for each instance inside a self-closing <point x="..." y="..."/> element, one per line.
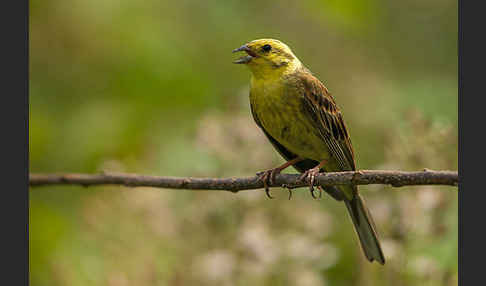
<point x="302" y="121"/>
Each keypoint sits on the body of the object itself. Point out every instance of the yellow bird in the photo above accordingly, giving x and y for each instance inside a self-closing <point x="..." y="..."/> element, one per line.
<point x="302" y="121"/>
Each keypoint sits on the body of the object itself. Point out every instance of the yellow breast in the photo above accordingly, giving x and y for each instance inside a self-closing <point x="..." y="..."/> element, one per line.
<point x="279" y="108"/>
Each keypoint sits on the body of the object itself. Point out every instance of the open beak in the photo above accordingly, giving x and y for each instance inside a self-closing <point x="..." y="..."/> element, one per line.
<point x="245" y="59"/>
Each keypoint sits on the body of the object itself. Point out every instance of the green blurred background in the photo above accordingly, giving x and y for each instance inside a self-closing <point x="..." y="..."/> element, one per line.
<point x="149" y="87"/>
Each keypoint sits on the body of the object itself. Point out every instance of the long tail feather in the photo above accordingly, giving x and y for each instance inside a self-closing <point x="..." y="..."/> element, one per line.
<point x="365" y="228"/>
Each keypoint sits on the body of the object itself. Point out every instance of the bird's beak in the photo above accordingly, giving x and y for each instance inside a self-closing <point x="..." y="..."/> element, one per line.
<point x="244" y="59"/>
<point x="242" y="48"/>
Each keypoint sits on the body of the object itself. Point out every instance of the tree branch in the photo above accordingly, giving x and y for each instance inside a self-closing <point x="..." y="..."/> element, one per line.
<point x="363" y="177"/>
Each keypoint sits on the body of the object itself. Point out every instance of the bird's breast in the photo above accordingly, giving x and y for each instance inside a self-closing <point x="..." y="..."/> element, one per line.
<point x="281" y="113"/>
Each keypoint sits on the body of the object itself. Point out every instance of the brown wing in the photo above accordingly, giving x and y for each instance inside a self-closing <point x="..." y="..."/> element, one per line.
<point x="324" y="113"/>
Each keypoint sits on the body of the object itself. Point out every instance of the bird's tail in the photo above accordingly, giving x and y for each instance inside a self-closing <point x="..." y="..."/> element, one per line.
<point x="365" y="228"/>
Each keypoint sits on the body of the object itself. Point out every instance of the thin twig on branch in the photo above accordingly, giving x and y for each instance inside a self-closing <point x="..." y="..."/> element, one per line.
<point x="363" y="177"/>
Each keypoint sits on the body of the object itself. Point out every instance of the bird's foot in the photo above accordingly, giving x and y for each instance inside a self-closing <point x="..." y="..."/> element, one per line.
<point x="310" y="175"/>
<point x="267" y="177"/>
<point x="289" y="188"/>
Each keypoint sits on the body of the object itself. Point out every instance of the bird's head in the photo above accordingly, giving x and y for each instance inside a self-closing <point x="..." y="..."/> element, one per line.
<point x="267" y="57"/>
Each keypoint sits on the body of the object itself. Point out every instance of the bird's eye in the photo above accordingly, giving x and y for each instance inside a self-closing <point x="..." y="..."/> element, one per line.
<point x="266" y="48"/>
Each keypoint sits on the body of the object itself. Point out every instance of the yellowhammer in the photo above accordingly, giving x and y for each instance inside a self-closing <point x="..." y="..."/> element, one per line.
<point x="302" y="121"/>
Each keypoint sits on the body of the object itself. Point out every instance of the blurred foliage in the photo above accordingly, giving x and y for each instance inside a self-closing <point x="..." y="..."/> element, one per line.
<point x="148" y="87"/>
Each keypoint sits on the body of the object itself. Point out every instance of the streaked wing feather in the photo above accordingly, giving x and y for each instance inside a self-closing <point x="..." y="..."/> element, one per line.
<point x="327" y="117"/>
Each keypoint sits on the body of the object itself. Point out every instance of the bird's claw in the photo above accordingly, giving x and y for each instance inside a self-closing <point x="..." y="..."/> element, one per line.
<point x="289" y="188"/>
<point x="266" y="177"/>
<point x="311" y="176"/>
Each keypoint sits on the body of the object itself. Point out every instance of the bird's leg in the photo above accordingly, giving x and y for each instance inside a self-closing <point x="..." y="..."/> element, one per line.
<point x="311" y="175"/>
<point x="268" y="176"/>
